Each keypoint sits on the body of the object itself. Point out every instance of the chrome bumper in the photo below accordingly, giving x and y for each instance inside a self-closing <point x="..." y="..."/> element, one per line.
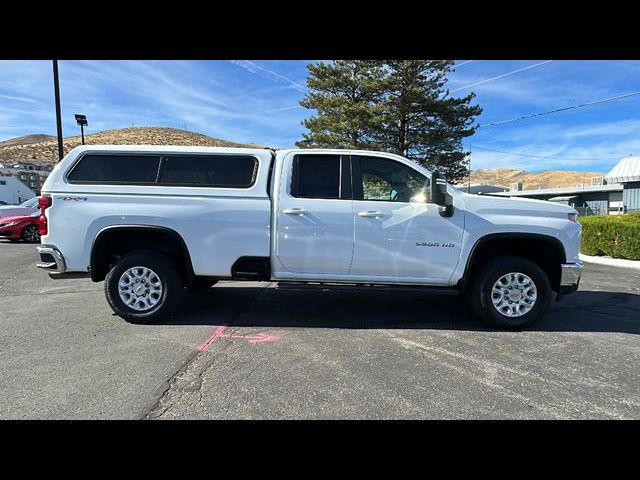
<point x="570" y="277"/>
<point x="51" y="259"/>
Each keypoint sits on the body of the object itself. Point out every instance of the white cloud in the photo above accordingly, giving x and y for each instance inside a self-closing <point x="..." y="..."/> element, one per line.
<point x="218" y="99"/>
<point x="205" y="96"/>
<point x="279" y="109"/>
<point x="503" y="75"/>
<point x="257" y="69"/>
<point x="600" y="155"/>
<point x="18" y="99"/>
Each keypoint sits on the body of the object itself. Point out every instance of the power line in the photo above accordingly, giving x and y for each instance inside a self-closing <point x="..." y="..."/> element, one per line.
<point x="535" y="156"/>
<point x="610" y="99"/>
<point x="500" y="76"/>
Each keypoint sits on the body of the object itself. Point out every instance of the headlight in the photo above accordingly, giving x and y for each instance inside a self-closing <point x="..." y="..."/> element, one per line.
<point x="572" y="216"/>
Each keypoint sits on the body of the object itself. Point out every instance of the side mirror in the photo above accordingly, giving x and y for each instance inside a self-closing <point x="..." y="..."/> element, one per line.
<point x="439" y="194"/>
<point x="439" y="188"/>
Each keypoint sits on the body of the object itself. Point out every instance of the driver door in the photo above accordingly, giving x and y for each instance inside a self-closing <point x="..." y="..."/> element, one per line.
<point x="399" y="235"/>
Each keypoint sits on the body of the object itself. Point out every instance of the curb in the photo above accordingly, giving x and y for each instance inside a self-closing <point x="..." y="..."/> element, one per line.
<point x="612" y="262"/>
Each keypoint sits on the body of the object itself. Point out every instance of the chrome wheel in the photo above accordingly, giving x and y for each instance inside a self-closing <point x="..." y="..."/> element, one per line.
<point x="31" y="233"/>
<point x="140" y="288"/>
<point x="514" y="294"/>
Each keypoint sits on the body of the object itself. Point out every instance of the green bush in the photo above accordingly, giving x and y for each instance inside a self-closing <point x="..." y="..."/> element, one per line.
<point x="615" y="235"/>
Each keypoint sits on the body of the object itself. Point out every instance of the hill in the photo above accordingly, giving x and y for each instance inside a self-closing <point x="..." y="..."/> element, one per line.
<point x="547" y="179"/>
<point x="40" y="148"/>
<point x="44" y="148"/>
<point x="27" y="139"/>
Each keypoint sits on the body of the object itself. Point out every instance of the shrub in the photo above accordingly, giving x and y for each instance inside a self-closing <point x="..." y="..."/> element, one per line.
<point x="615" y="235"/>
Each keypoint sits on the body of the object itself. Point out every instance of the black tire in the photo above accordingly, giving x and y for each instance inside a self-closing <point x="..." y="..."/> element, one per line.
<point x="201" y="284"/>
<point x="31" y="234"/>
<point x="168" y="275"/>
<point x="494" y="269"/>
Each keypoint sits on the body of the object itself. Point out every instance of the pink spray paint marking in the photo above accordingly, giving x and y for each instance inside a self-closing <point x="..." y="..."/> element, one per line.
<point x="214" y="336"/>
<point x="219" y="333"/>
<point x="259" y="338"/>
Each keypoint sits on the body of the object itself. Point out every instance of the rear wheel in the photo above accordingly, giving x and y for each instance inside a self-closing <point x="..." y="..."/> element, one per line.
<point x="144" y="287"/>
<point x="511" y="292"/>
<point x="31" y="234"/>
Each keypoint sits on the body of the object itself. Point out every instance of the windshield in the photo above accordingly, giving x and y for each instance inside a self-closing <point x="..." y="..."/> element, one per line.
<point x="32" y="202"/>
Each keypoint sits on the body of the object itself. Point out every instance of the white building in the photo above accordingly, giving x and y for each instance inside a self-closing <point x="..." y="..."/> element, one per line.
<point x="31" y="174"/>
<point x="627" y="172"/>
<point x="13" y="191"/>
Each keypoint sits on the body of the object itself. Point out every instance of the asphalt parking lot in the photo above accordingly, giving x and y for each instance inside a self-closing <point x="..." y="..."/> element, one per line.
<point x="252" y="351"/>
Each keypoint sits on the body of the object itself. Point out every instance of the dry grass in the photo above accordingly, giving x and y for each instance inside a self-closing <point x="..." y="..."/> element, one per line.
<point x="547" y="179"/>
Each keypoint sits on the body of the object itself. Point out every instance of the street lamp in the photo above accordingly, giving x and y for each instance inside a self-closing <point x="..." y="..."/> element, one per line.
<point x="82" y="121"/>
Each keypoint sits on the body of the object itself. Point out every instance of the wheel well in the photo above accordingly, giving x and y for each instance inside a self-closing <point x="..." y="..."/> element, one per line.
<point x="547" y="252"/>
<point x="112" y="243"/>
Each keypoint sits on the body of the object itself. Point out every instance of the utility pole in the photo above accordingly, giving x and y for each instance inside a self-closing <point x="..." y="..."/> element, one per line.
<point x="56" y="88"/>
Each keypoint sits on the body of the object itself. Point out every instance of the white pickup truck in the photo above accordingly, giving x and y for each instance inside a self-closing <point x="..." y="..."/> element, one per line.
<point x="153" y="220"/>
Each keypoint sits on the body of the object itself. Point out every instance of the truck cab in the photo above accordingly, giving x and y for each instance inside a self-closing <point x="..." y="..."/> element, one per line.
<point x="152" y="221"/>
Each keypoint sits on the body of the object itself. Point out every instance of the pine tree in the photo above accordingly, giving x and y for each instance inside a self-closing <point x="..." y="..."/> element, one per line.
<point x="421" y="121"/>
<point x="399" y="106"/>
<point x="347" y="94"/>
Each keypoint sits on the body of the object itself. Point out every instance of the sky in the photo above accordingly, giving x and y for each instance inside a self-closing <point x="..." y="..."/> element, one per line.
<point x="256" y="101"/>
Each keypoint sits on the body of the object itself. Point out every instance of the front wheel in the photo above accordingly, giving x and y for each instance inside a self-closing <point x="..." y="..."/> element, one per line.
<point x="511" y="292"/>
<point x="143" y="287"/>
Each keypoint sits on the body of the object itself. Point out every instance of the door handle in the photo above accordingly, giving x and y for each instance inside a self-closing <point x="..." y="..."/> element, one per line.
<point x="371" y="214"/>
<point x="294" y="211"/>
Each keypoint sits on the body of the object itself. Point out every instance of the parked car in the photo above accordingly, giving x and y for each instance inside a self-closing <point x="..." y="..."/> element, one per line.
<point x="150" y="220"/>
<point x="25" y="208"/>
<point x="2" y="202"/>
<point x="21" y="227"/>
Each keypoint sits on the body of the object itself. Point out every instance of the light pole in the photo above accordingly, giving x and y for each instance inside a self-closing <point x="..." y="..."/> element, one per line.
<point x="56" y="89"/>
<point x="82" y="121"/>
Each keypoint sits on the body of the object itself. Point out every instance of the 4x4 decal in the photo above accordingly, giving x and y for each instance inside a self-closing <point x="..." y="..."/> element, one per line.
<point x="73" y="199"/>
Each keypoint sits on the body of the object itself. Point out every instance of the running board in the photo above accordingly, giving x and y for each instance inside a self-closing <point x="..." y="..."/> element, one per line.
<point x="241" y="275"/>
<point x="68" y="275"/>
<point x="429" y="290"/>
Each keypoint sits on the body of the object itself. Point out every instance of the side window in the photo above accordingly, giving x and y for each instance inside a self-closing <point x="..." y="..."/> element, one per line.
<point x="316" y="176"/>
<point x="115" y="169"/>
<point x="390" y="181"/>
<point x="225" y="171"/>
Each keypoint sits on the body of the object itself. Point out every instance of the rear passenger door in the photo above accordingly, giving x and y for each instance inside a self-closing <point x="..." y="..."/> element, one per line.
<point x="315" y="215"/>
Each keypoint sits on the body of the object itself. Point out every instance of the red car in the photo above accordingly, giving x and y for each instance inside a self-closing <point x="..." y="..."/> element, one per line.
<point x="20" y="227"/>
